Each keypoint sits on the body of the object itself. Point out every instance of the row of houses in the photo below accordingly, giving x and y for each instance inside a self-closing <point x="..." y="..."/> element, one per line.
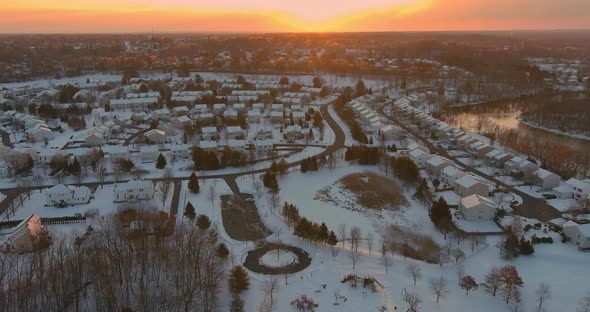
<point x="35" y="128"/>
<point x="479" y="149"/>
<point x="373" y="123"/>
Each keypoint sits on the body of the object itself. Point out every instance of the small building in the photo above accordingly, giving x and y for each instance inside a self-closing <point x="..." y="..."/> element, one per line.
<point x="298" y="116"/>
<point x="133" y="190"/>
<point x="234" y="132"/>
<point x="420" y="157"/>
<point x="181" y="122"/>
<point x="26" y="235"/>
<point x="389" y="132"/>
<point x="414" y="146"/>
<point x="209" y="133"/>
<point x="230" y="115"/>
<point x="116" y="152"/>
<point x="546" y="179"/>
<point x="179" y="152"/>
<point x="263" y="148"/>
<point x="468" y="185"/>
<point x="579" y="234"/>
<point x="276" y="116"/>
<point x="219" y="107"/>
<point x="156" y="136"/>
<point x="580" y="189"/>
<point x="293" y="133"/>
<point x="180" y="111"/>
<point x="94" y="139"/>
<point x="254" y="116"/>
<point x="526" y="167"/>
<point x="277" y="107"/>
<point x="148" y="153"/>
<point x="477" y="208"/>
<point x="450" y="174"/>
<point x="436" y="164"/>
<point x="237" y="145"/>
<point x="210" y="146"/>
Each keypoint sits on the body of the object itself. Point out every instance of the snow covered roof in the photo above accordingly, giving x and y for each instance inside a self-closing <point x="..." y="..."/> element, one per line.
<point x="132" y="185"/>
<point x="584" y="229"/>
<point x="233" y="129"/>
<point x="578" y="184"/>
<point x="155" y="132"/>
<point x="451" y="171"/>
<point x="58" y="189"/>
<point x="543" y="174"/>
<point x="148" y="148"/>
<point x="417" y="153"/>
<point x="236" y="143"/>
<point x="467" y="181"/>
<point x="475" y="200"/>
<point x="437" y="161"/>
<point x="208" y="144"/>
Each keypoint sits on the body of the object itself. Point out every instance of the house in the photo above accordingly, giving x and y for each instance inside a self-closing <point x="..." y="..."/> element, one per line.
<point x="156" y="136"/>
<point x="579" y="234"/>
<point x="133" y="190"/>
<point x="298" y="116"/>
<point x="420" y="157"/>
<point x="500" y="159"/>
<point x="263" y="148"/>
<point x="259" y="106"/>
<point x="40" y="134"/>
<point x="483" y="149"/>
<point x="135" y="104"/>
<point x="450" y="174"/>
<point x="201" y="108"/>
<point x="237" y="145"/>
<point x="293" y="133"/>
<point x="94" y="139"/>
<point x="436" y="164"/>
<point x="263" y="133"/>
<point x="277" y="107"/>
<point x="209" y="133"/>
<point x="414" y="146"/>
<point x="389" y="132"/>
<point x="254" y="116"/>
<point x="477" y="208"/>
<point x="276" y="116"/>
<point x="180" y="111"/>
<point x="465" y="140"/>
<point x="148" y="153"/>
<point x="234" y="132"/>
<point x="526" y="167"/>
<point x="58" y="195"/>
<point x="230" y="115"/>
<point x="206" y="117"/>
<point x="581" y="189"/>
<point x="546" y="179"/>
<point x="26" y="235"/>
<point x="239" y="107"/>
<point x="208" y="145"/>
<point x="46" y="155"/>
<point x="181" y="122"/>
<point x="219" y="107"/>
<point x="116" y="152"/>
<point x="469" y="185"/>
<point x="179" y="152"/>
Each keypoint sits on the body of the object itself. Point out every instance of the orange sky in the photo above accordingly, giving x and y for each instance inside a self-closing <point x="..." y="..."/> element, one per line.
<point x="94" y="16"/>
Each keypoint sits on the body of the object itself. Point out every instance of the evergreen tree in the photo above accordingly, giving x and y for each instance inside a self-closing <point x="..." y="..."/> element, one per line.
<point x="193" y="183"/>
<point x="203" y="222"/>
<point x="332" y="239"/>
<point x="304" y="165"/>
<point x="238" y="280"/>
<point x="189" y="211"/>
<point x="323" y="233"/>
<point x="440" y="212"/>
<point x="222" y="251"/>
<point x="75" y="168"/>
<point x="161" y="162"/>
<point x="511" y="246"/>
<point x="237" y="304"/>
<point x="526" y="247"/>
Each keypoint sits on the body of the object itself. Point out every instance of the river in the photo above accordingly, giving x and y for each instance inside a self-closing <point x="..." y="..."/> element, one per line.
<point x="504" y="116"/>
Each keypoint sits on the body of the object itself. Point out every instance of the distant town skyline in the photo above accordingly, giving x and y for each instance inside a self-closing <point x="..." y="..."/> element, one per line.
<point x="107" y="16"/>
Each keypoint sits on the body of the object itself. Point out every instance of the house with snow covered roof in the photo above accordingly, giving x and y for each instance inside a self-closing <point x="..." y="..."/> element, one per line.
<point x="546" y="179"/>
<point x="181" y="122"/>
<point x="209" y="133"/>
<point x="133" y="190"/>
<point x="581" y="189"/>
<point x="25" y="235"/>
<point x="208" y="145"/>
<point x="419" y="157"/>
<point x="469" y="185"/>
<point x="156" y="136"/>
<point x="450" y="174"/>
<point x="61" y="195"/>
<point x="477" y="208"/>
<point x="579" y="234"/>
<point x="276" y="117"/>
<point x="436" y="164"/>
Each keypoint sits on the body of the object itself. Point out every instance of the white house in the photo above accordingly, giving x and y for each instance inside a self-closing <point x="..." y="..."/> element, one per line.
<point x="156" y="136"/>
<point x="389" y="132"/>
<point x="25" y="235"/>
<point x="234" y="132"/>
<point x="581" y="189"/>
<point x="237" y="145"/>
<point x="579" y="234"/>
<point x="94" y="139"/>
<point x="476" y="208"/>
<point x="208" y="145"/>
<point x="468" y="185"/>
<point x="181" y="122"/>
<point x="133" y="190"/>
<point x="526" y="167"/>
<point x="62" y="195"/>
<point x="436" y="164"/>
<point x="209" y="133"/>
<point x="148" y="153"/>
<point x="420" y="157"/>
<point x="254" y="116"/>
<point x="276" y="117"/>
<point x="546" y="179"/>
<point x="179" y="152"/>
<point x="263" y="148"/>
<point x="414" y="146"/>
<point x="450" y="174"/>
<point x="116" y="152"/>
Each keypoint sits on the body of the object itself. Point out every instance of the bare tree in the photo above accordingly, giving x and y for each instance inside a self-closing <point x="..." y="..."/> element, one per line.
<point x="412" y="300"/>
<point x="439" y="287"/>
<point x="387" y="261"/>
<point x="355" y="236"/>
<point x="460" y="271"/>
<point x="164" y="187"/>
<point x="543" y="294"/>
<point x="355" y="255"/>
<point x="274" y="201"/>
<point x="212" y="195"/>
<point x="342" y="233"/>
<point x="269" y="288"/>
<point x="370" y="241"/>
<point x="493" y="281"/>
<point x="414" y="271"/>
<point x="334" y="250"/>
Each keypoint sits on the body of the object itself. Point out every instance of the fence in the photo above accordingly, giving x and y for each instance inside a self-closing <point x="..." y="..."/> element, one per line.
<point x="46" y="221"/>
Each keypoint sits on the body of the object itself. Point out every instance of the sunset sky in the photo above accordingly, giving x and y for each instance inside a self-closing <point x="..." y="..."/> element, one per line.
<point x="94" y="16"/>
